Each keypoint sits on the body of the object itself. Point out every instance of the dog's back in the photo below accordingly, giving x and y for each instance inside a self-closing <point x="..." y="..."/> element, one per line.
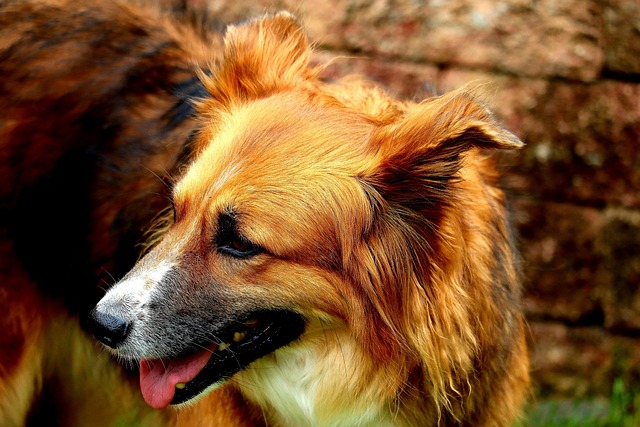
<point x="96" y="113"/>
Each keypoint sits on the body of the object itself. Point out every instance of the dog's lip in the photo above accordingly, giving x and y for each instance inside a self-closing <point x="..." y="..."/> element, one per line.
<point x="179" y="379"/>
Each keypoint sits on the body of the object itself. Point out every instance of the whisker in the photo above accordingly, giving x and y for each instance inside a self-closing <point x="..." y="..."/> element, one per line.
<point x="109" y="273"/>
<point x="159" y="177"/>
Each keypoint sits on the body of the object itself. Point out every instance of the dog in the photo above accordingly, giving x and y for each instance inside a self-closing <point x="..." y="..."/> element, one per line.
<point x="335" y="257"/>
<point x="312" y="253"/>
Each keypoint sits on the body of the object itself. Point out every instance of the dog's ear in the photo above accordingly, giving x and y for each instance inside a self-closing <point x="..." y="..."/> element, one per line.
<point x="412" y="180"/>
<point x="262" y="56"/>
<point x="418" y="157"/>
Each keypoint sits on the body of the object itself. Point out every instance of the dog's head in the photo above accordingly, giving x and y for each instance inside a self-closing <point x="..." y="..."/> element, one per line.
<point x="311" y="211"/>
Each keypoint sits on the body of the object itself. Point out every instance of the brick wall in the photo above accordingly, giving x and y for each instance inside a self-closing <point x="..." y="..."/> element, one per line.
<point x="565" y="77"/>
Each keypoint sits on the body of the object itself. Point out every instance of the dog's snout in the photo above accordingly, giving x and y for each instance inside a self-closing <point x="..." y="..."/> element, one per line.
<point x="108" y="329"/>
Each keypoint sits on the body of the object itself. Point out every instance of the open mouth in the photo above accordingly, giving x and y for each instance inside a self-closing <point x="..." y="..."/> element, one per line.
<point x="176" y="380"/>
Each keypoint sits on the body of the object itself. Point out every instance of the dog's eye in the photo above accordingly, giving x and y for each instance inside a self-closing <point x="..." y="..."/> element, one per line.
<point x="232" y="243"/>
<point x="238" y="246"/>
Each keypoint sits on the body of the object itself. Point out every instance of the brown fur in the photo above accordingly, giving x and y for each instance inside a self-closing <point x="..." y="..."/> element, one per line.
<point x="89" y="124"/>
<point x="381" y="222"/>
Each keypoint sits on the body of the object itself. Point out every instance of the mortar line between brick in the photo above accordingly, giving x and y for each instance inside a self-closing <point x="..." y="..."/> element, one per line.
<point x="604" y="76"/>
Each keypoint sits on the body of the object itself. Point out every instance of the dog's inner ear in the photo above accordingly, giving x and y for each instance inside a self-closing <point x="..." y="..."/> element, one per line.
<point x="419" y="157"/>
<point x="261" y="57"/>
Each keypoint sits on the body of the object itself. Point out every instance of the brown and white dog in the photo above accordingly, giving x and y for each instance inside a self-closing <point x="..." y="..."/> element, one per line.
<point x="333" y="256"/>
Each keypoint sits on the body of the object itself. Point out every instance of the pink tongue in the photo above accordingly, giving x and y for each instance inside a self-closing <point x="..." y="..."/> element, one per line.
<point x="158" y="379"/>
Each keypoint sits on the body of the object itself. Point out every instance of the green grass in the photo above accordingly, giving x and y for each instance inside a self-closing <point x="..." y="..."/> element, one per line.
<point x="622" y="409"/>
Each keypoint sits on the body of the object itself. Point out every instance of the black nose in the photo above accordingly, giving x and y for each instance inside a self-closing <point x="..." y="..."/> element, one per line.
<point x="109" y="330"/>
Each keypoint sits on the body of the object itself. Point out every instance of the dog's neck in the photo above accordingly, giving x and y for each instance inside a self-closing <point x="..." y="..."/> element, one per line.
<point x="326" y="381"/>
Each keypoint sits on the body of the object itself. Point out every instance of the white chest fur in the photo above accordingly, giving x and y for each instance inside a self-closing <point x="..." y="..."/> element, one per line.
<point x="323" y="380"/>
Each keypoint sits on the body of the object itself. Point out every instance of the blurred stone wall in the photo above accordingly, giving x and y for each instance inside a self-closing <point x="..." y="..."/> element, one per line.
<point x="565" y="77"/>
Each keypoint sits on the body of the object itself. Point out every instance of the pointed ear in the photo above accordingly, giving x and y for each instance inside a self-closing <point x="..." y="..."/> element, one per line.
<point x="420" y="156"/>
<point x="262" y="56"/>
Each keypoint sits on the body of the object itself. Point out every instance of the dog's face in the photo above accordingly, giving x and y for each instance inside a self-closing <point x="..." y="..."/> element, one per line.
<point x="264" y="220"/>
<point x="308" y="210"/>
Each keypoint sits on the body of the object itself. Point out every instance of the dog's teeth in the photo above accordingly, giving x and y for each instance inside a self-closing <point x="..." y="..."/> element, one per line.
<point x="223" y="346"/>
<point x="180" y="386"/>
<point x="239" y="336"/>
